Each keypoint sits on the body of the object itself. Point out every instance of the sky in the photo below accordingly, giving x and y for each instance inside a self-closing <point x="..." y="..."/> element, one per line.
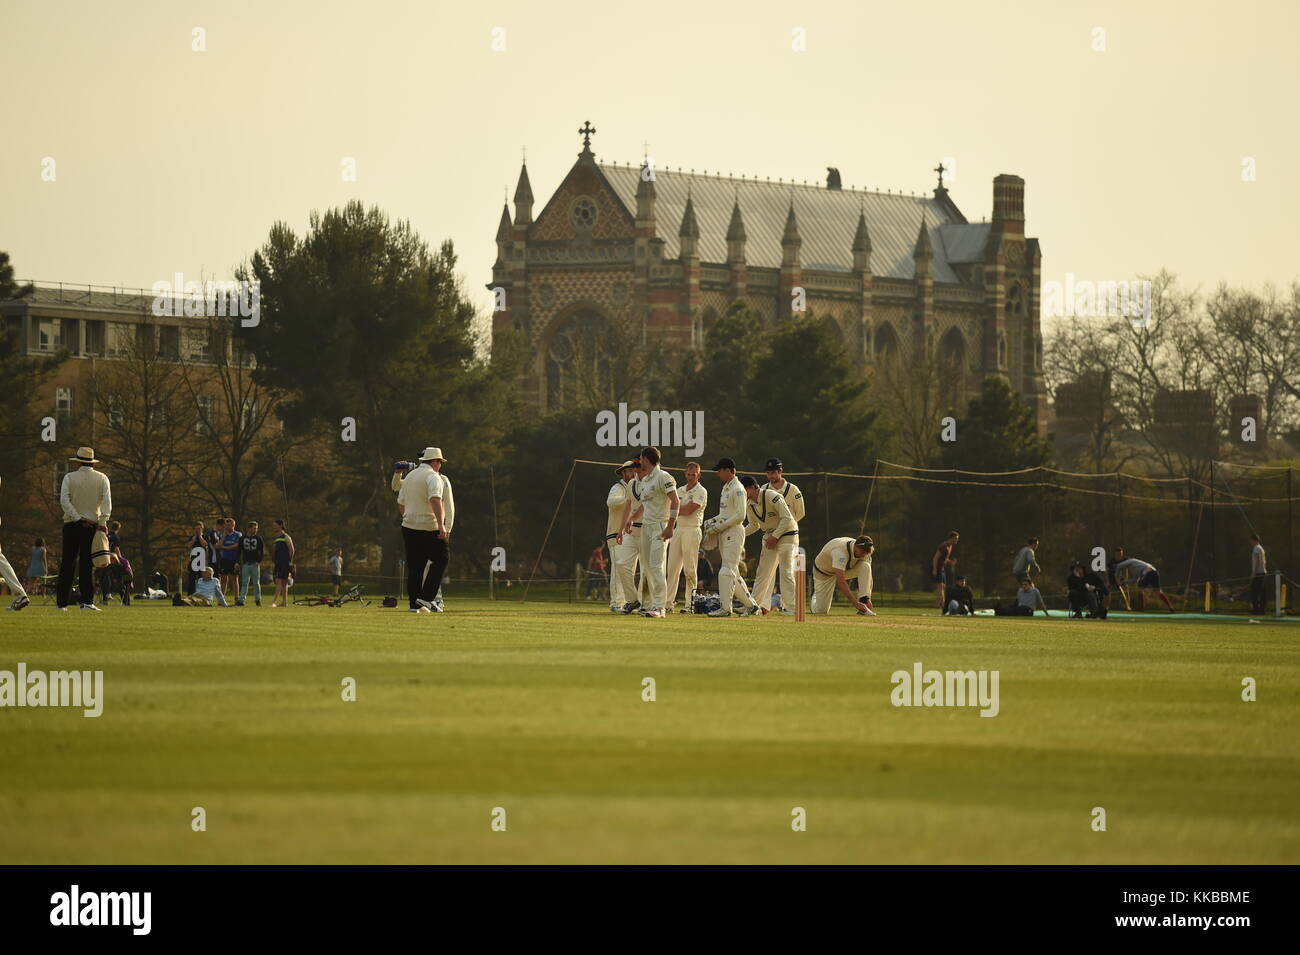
<point x="1150" y="134"/>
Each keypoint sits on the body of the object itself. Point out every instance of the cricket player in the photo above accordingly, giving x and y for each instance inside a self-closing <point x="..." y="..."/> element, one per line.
<point x="660" y="505"/>
<point x="21" y="599"/>
<point x="731" y="541"/>
<point x="685" y="545"/>
<point x="1144" y="576"/>
<point x="768" y="512"/>
<point x="787" y="489"/>
<point x="841" y="559"/>
<point x="622" y="556"/>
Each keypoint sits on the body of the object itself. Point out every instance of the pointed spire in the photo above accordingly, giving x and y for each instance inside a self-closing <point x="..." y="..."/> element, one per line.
<point x="922" y="242"/>
<point x="791" y="234"/>
<point x="736" y="230"/>
<point x="689" y="229"/>
<point x="861" y="239"/>
<point x="523" y="198"/>
<point x="503" y="229"/>
<point x="645" y="187"/>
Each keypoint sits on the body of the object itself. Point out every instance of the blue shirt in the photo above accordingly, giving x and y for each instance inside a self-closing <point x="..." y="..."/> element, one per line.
<point x="210" y="589"/>
<point x="231" y="540"/>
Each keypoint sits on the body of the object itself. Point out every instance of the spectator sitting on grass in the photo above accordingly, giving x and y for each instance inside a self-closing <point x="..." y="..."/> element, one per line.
<point x="961" y="602"/>
<point x="207" y="589"/>
<point x="1028" y="599"/>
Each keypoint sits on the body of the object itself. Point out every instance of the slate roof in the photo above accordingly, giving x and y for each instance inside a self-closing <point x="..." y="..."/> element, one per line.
<point x="827" y="221"/>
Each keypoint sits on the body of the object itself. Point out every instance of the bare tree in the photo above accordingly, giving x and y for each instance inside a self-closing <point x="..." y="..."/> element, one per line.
<point x="142" y="401"/>
<point x="234" y="414"/>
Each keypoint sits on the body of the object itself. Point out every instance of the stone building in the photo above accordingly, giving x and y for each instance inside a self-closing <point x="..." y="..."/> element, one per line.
<point x="662" y="252"/>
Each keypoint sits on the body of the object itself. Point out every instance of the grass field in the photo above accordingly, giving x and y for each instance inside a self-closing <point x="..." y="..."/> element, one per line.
<point x="538" y="709"/>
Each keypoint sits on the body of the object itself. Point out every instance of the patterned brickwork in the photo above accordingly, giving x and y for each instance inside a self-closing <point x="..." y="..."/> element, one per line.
<point x="584" y="182"/>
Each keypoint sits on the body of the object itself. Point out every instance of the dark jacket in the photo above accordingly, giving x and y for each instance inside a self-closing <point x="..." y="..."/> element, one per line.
<point x="963" y="596"/>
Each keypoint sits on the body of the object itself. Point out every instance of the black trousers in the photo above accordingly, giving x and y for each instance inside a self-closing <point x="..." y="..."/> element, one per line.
<point x="76" y="557"/>
<point x="1257" y="600"/>
<point x="423" y="547"/>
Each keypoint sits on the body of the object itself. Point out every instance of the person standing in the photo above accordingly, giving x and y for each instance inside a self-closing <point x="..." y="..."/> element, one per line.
<point x="1258" y="572"/>
<point x="769" y="513"/>
<point x="1026" y="562"/>
<point x="686" y="542"/>
<point x="252" y="551"/>
<point x="448" y="513"/>
<point x="196" y="551"/>
<point x="597" y="576"/>
<point x="283" y="555"/>
<point x="622" y="550"/>
<point x="941" y="565"/>
<point x="798" y="507"/>
<point x="660" y="507"/>
<point x="335" y="563"/>
<point x="731" y="541"/>
<point x="87" y="501"/>
<point x="228" y="557"/>
<point x="36" y="567"/>
<point x="843" y="558"/>
<point x="115" y="575"/>
<point x="21" y="599"/>
<point x="424" y="531"/>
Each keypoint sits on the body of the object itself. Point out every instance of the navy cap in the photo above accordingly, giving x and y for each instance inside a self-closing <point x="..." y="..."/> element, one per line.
<point x="724" y="463"/>
<point x="748" y="481"/>
<point x="773" y="464"/>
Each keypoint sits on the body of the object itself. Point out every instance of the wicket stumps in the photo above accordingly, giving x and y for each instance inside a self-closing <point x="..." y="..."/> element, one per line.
<point x="800" y="588"/>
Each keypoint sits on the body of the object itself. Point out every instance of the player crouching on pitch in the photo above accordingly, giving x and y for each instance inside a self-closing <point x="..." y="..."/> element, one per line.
<point x="769" y="513"/>
<point x="840" y="559"/>
<point x="659" y="506"/>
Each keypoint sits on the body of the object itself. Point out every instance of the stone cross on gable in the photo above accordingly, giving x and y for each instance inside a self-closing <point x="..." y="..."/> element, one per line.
<point x="940" y="170"/>
<point x="586" y="132"/>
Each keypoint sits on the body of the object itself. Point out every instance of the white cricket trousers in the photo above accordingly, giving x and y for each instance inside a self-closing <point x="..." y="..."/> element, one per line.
<point x="10" y="578"/>
<point x="824" y="586"/>
<point x="771" y="559"/>
<point x="731" y="586"/>
<point x="654" y="555"/>
<point x="683" y="558"/>
<point x="622" y="571"/>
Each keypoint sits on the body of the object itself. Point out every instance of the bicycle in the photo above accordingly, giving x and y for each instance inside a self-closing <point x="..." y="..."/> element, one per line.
<point x="328" y="600"/>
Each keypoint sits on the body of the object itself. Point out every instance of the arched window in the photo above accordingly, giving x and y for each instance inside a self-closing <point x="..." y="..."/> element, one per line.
<point x="700" y="328"/>
<point x="833" y="327"/>
<point x="1015" y="300"/>
<point x="886" y="343"/>
<point x="578" y="366"/>
<point x="952" y="367"/>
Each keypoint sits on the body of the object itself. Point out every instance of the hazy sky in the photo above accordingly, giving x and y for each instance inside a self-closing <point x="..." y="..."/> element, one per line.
<point x="173" y="160"/>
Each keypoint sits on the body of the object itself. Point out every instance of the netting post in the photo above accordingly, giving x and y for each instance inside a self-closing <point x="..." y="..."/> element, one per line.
<point x="826" y="495"/>
<point x="1119" y="503"/>
<point x="573" y="538"/>
<point x="492" y="577"/>
<point x="1290" y="530"/>
<point x="1213" y="528"/>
